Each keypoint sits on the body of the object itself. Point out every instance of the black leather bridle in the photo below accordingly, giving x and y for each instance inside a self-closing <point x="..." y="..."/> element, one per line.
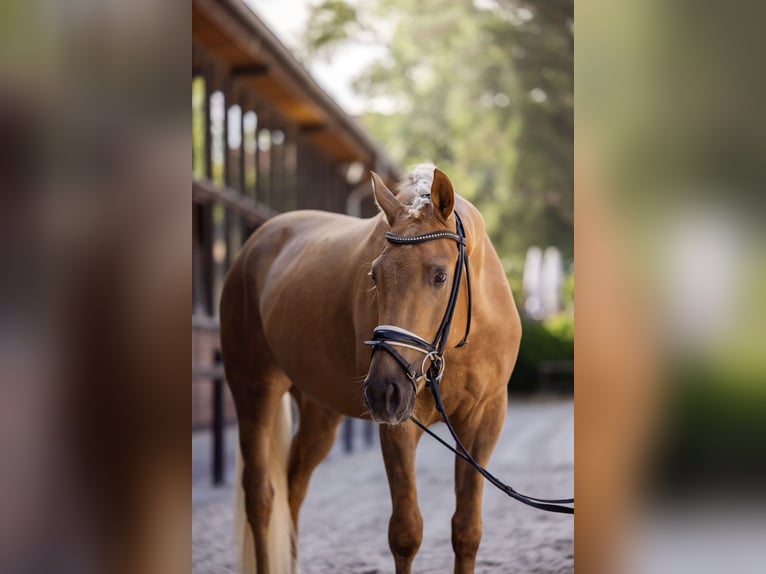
<point x="388" y="337"/>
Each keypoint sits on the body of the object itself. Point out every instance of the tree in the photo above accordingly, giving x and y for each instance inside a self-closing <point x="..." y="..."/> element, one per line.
<point x="485" y="90"/>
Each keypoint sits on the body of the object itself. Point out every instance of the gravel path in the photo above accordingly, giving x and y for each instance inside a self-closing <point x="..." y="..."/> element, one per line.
<point x="345" y="516"/>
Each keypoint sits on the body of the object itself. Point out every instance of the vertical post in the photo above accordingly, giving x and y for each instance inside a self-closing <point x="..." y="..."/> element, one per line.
<point x="290" y="176"/>
<point x="209" y="80"/>
<point x="226" y="90"/>
<point x="227" y="171"/>
<point x="242" y="156"/>
<point x="300" y="171"/>
<point x="275" y="153"/>
<point x="206" y="214"/>
<point x="348" y="435"/>
<point x="369" y="429"/>
<point x="257" y="192"/>
<point x="264" y="158"/>
<point x="218" y="425"/>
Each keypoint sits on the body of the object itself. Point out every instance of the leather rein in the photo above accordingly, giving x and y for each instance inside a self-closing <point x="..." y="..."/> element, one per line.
<point x="389" y="337"/>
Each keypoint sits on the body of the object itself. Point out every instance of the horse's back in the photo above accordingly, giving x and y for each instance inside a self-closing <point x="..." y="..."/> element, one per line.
<point x="295" y="231"/>
<point x="295" y="248"/>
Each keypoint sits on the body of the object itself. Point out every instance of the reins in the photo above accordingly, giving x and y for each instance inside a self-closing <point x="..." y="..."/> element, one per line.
<point x="387" y="337"/>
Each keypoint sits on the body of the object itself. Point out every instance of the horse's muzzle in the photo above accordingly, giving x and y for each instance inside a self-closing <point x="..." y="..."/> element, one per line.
<point x="389" y="400"/>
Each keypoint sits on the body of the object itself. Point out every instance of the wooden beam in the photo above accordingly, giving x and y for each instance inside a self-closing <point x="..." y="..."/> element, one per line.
<point x="250" y="70"/>
<point x="313" y="128"/>
<point x="205" y="191"/>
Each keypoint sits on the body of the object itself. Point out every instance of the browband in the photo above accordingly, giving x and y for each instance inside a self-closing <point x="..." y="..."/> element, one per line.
<point x="409" y="239"/>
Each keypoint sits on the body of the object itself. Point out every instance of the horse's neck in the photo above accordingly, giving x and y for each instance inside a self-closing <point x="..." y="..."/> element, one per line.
<point x="366" y="245"/>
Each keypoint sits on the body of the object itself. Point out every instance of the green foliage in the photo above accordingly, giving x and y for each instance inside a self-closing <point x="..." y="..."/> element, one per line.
<point x="715" y="421"/>
<point x="568" y="291"/>
<point x="332" y="22"/>
<point x="550" y="340"/>
<point x="484" y="93"/>
<point x="561" y="326"/>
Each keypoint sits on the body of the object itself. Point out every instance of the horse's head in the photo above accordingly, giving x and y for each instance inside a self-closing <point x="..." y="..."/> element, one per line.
<point x="413" y="285"/>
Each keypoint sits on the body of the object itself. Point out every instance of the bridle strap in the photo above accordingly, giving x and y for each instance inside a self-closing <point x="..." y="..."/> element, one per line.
<point x="411" y="375"/>
<point x="459" y="237"/>
<point x="539" y="503"/>
<point x="423" y="237"/>
<point x="402" y="337"/>
<point x="462" y="263"/>
<point x="386" y="336"/>
<point x="558" y="505"/>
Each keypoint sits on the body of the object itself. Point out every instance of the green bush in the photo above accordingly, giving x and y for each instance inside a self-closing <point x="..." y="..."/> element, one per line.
<point x="561" y="326"/>
<point x="549" y="340"/>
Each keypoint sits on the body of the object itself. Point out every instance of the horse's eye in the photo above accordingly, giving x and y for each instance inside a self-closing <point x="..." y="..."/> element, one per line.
<point x="372" y="274"/>
<point x="440" y="277"/>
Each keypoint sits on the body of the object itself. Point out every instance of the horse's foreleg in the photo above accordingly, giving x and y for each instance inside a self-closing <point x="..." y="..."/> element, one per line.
<point x="405" y="529"/>
<point x="312" y="443"/>
<point x="479" y="432"/>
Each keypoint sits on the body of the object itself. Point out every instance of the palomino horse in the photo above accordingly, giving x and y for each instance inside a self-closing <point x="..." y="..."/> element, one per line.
<point x="302" y="297"/>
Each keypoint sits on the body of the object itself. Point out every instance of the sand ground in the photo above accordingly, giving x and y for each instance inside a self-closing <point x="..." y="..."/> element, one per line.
<point x="344" y="519"/>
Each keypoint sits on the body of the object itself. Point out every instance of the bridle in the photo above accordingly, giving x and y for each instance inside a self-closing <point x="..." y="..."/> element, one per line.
<point x="388" y="337"/>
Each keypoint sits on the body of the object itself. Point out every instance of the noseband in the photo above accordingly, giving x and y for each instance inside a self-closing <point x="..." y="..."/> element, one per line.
<point x="387" y="337"/>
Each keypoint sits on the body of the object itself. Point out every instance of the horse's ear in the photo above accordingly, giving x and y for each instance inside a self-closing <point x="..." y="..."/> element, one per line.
<point x="385" y="199"/>
<point x="442" y="195"/>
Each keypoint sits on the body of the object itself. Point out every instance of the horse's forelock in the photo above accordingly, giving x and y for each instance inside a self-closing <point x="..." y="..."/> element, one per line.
<point x="418" y="183"/>
<point x="413" y="189"/>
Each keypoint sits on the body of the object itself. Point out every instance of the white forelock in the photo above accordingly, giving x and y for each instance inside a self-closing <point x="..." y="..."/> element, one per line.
<point x="422" y="177"/>
<point x="420" y="180"/>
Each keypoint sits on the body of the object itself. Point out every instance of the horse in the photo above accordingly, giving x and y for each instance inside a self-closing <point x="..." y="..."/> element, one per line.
<point x="303" y="295"/>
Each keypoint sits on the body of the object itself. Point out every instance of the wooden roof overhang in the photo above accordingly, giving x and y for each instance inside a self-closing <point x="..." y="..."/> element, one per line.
<point x="229" y="32"/>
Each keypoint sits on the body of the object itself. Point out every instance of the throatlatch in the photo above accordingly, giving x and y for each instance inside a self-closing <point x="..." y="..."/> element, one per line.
<point x="387" y="337"/>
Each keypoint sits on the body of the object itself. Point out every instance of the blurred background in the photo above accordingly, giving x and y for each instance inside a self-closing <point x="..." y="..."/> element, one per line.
<point x="293" y="103"/>
<point x="670" y="180"/>
<point x="669" y="177"/>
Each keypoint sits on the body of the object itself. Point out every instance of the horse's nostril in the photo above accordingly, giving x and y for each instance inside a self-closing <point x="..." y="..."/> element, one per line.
<point x="393" y="398"/>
